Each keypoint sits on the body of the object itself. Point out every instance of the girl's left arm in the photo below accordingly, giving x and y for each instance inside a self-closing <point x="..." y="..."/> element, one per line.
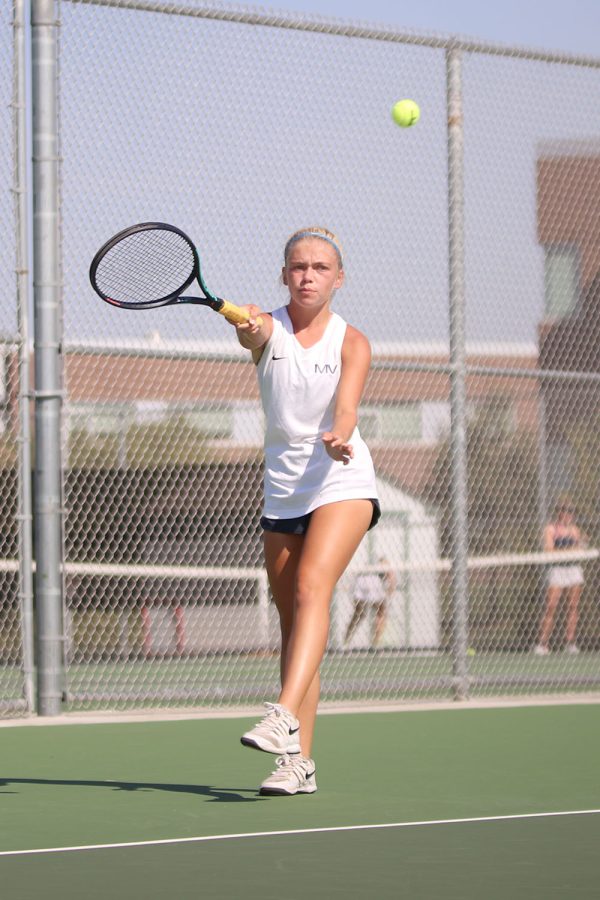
<point x="356" y="359"/>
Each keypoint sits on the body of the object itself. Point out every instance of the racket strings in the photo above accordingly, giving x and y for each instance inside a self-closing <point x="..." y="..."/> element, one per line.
<point x="146" y="267"/>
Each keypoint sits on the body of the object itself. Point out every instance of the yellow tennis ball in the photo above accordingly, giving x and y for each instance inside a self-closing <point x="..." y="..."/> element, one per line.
<point x="405" y="113"/>
<point x="471" y="651"/>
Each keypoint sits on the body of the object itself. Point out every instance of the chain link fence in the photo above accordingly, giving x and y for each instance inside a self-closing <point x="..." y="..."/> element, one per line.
<point x="240" y="128"/>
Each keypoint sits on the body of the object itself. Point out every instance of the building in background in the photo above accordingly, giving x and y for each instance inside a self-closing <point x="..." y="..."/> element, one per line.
<point x="568" y="204"/>
<point x="163" y="458"/>
<point x="568" y="198"/>
<point x="211" y="393"/>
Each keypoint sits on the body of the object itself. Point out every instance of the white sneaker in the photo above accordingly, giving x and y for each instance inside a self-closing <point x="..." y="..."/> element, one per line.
<point x="540" y="650"/>
<point x="293" y="775"/>
<point x="573" y="649"/>
<point x="277" y="731"/>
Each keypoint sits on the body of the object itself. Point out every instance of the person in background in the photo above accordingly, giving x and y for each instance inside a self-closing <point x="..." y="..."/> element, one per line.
<point x="372" y="589"/>
<point x="559" y="535"/>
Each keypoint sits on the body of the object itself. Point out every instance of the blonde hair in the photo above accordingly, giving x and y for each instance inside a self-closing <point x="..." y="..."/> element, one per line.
<point x="314" y="231"/>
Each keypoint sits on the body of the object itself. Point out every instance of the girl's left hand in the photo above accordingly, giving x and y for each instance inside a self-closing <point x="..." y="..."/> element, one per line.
<point x="339" y="450"/>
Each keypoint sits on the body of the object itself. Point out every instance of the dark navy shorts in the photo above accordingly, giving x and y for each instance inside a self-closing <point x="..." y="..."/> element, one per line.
<point x="299" y="524"/>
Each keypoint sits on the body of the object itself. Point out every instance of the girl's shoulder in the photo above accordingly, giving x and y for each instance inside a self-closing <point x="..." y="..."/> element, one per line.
<point x="355" y="342"/>
<point x="280" y="314"/>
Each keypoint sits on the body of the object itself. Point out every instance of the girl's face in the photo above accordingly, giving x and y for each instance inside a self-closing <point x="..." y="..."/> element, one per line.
<point x="565" y="516"/>
<point x="312" y="273"/>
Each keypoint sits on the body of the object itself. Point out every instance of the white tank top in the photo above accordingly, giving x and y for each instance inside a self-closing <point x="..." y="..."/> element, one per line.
<point x="298" y="390"/>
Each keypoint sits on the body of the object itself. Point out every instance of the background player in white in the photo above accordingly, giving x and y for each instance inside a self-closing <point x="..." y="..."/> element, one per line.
<point x="372" y="590"/>
<point x="320" y="494"/>
<point x="562" y="534"/>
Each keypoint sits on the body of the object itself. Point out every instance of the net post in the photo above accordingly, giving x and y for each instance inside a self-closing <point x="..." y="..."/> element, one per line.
<point x="458" y="364"/>
<point x="47" y="353"/>
<point x="543" y="502"/>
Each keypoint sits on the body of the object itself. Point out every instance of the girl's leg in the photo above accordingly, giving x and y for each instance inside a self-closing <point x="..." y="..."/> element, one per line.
<point x="360" y="608"/>
<point x="380" y="616"/>
<point x="572" y="613"/>
<point x="548" y="620"/>
<point x="282" y="555"/>
<point x="334" y="533"/>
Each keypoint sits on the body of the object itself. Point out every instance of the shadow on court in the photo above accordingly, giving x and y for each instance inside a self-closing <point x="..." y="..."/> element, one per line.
<point x="214" y="794"/>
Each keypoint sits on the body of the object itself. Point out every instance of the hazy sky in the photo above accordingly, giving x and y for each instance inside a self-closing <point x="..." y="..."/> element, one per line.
<point x="256" y="130"/>
<point x="570" y="25"/>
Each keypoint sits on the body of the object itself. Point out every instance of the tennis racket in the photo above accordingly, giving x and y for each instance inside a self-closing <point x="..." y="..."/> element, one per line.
<point x="151" y="265"/>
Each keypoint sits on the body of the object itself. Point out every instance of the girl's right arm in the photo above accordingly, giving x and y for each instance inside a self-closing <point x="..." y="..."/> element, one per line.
<point x="253" y="336"/>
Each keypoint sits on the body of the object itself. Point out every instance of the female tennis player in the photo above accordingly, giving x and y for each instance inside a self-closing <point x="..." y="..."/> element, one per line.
<point x="320" y="496"/>
<point x="562" y="534"/>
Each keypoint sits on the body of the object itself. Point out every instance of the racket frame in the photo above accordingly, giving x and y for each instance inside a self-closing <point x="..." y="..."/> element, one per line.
<point x="231" y="312"/>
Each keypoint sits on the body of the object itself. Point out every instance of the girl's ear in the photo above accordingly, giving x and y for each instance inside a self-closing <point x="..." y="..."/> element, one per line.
<point x="340" y="279"/>
<point x="284" y="276"/>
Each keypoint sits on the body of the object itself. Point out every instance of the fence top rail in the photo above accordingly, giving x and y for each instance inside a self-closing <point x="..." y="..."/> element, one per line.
<point x="345" y="28"/>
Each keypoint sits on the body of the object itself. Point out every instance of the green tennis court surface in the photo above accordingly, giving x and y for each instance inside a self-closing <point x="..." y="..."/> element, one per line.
<point x="186" y="782"/>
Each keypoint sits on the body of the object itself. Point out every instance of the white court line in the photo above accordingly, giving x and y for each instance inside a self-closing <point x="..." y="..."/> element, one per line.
<point x="257" y="834"/>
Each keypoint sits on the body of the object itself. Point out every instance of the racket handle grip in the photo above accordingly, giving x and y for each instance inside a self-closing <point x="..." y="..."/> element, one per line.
<point x="235" y="314"/>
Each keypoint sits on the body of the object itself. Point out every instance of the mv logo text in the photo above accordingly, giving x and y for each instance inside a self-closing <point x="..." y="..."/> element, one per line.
<point x="324" y="370"/>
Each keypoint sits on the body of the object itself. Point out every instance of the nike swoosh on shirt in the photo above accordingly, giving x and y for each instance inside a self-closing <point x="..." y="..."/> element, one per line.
<point x="278" y="357"/>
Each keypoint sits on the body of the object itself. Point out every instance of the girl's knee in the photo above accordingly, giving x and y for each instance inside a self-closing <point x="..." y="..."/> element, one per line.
<point x="310" y="593"/>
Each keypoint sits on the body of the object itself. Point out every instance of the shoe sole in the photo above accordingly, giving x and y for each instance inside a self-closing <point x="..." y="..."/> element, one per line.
<point x="279" y="792"/>
<point x="267" y="747"/>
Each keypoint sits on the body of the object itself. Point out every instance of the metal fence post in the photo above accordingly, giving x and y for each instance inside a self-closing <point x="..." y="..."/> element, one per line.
<point x="543" y="502"/>
<point x="22" y="278"/>
<point x="456" y="273"/>
<point x="47" y="350"/>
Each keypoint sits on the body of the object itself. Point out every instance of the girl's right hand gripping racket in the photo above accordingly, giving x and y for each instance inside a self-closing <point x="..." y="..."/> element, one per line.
<point x="151" y="265"/>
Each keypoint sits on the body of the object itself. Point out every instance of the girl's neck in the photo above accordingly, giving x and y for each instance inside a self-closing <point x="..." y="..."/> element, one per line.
<point x="309" y="320"/>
